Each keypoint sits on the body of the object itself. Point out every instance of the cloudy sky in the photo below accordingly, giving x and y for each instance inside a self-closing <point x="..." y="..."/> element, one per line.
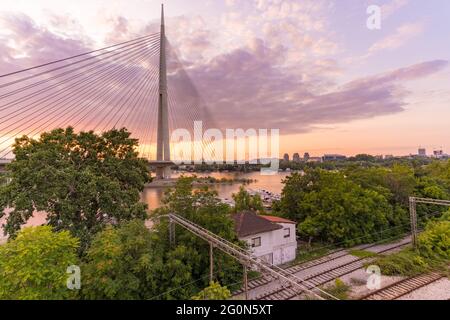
<point x="311" y="68"/>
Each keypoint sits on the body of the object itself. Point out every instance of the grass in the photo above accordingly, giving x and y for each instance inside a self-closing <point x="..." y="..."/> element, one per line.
<point x="408" y="262"/>
<point x="357" y="282"/>
<point x="362" y="253"/>
<point x="310" y="254"/>
<point x="338" y="289"/>
<point x="253" y="274"/>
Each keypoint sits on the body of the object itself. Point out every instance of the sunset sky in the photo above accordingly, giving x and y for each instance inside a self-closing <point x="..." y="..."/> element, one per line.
<point x="308" y="67"/>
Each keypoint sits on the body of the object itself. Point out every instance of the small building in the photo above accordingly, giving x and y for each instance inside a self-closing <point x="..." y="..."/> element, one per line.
<point x="334" y="157"/>
<point x="306" y="156"/>
<point x="286" y="157"/>
<point x="269" y="237"/>
<point x="314" y="159"/>
<point x="422" y="152"/>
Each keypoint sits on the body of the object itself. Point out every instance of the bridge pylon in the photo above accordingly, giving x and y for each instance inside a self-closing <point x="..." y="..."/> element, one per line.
<point x="163" y="162"/>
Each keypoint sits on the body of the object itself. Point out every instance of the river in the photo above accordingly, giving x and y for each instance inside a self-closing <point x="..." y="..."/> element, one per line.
<point x="153" y="196"/>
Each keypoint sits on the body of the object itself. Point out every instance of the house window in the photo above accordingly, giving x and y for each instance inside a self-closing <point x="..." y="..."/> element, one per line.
<point x="287" y="232"/>
<point x="256" y="242"/>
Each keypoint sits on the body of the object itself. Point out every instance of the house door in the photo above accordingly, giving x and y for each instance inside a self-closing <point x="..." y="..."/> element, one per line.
<point x="268" y="258"/>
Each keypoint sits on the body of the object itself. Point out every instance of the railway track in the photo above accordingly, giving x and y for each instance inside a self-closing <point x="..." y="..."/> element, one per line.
<point x="336" y="254"/>
<point x="403" y="287"/>
<point x="314" y="280"/>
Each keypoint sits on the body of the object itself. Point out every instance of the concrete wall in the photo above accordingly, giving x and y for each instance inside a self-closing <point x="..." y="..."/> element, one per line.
<point x="275" y="247"/>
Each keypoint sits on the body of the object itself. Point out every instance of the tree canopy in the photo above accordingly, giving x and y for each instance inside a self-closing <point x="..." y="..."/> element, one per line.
<point x="202" y="207"/>
<point x="245" y="201"/>
<point x="34" y="265"/>
<point x="213" y="292"/>
<point x="330" y="207"/>
<point x="81" y="180"/>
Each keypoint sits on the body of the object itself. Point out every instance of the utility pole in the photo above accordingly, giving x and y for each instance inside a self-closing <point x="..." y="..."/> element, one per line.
<point x="211" y="262"/>
<point x="413" y="201"/>
<point x="413" y="220"/>
<point x="245" y="282"/>
<point x="171" y="232"/>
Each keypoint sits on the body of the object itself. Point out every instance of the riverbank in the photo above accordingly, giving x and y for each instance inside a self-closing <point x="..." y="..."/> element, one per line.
<point x="200" y="181"/>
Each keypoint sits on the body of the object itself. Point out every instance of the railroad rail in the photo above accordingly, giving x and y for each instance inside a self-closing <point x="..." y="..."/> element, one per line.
<point x="334" y="255"/>
<point x="403" y="287"/>
<point x="243" y="256"/>
<point x="322" y="277"/>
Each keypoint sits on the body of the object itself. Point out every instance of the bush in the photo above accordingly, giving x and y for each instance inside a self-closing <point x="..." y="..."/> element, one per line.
<point x="214" y="292"/>
<point x="434" y="242"/>
<point x="116" y="263"/>
<point x="406" y="262"/>
<point x="433" y="252"/>
<point x="331" y="208"/>
<point x="339" y="290"/>
<point x="34" y="265"/>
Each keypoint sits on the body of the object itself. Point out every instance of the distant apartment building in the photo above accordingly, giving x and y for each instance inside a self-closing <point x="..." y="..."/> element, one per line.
<point x="388" y="156"/>
<point x="422" y="152"/>
<point x="296" y="157"/>
<point x="333" y="157"/>
<point x="315" y="159"/>
<point x="306" y="156"/>
<point x="286" y="157"/>
<point x="439" y="154"/>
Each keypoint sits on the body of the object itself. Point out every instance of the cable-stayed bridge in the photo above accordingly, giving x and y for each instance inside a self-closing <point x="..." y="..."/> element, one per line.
<point x="139" y="84"/>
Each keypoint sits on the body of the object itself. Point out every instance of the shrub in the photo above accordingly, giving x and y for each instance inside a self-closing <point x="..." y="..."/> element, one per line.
<point x="34" y="265"/>
<point x="214" y="292"/>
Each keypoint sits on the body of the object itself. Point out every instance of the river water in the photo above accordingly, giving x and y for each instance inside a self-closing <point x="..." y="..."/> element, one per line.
<point x="273" y="183"/>
<point x="153" y="196"/>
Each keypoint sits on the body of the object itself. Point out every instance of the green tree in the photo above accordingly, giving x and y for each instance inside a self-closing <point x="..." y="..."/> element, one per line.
<point x="82" y="181"/>
<point x="115" y="262"/>
<point x="126" y="262"/>
<point x="244" y="201"/>
<point x="202" y="207"/>
<point x="332" y="208"/>
<point x="213" y="292"/>
<point x="434" y="242"/>
<point x="34" y="264"/>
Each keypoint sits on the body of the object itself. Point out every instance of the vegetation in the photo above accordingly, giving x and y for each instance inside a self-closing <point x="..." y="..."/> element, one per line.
<point x="119" y="264"/>
<point x="89" y="187"/>
<point x="223" y="180"/>
<point x="214" y="292"/>
<point x="3" y="178"/>
<point x="362" y="253"/>
<point x="244" y="201"/>
<point x="433" y="252"/>
<point x="362" y="204"/>
<point x="34" y="265"/>
<point x="338" y="289"/>
<point x="332" y="208"/>
<point x="202" y="207"/>
<point x="82" y="181"/>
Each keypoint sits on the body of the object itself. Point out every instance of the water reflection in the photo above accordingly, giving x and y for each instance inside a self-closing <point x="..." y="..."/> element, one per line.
<point x="153" y="196"/>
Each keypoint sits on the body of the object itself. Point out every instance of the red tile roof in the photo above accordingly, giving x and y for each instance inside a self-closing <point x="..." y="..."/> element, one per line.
<point x="277" y="219"/>
<point x="248" y="223"/>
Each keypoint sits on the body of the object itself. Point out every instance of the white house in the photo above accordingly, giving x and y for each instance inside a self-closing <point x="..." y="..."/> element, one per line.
<point x="270" y="238"/>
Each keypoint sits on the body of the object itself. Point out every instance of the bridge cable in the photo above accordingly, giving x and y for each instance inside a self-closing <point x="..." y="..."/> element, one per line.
<point x="78" y="55"/>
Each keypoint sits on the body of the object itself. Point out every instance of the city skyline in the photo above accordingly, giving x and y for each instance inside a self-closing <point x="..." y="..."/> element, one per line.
<point x="310" y="68"/>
